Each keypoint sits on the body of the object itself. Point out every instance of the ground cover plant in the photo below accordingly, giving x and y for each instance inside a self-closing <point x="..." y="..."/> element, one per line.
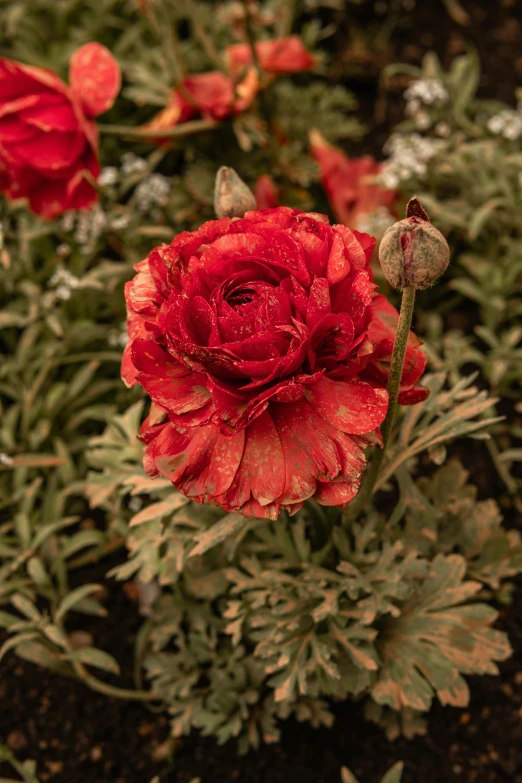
<point x="199" y="376"/>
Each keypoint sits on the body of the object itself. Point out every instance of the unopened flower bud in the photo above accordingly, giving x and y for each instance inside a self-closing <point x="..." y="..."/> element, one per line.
<point x="232" y="198"/>
<point x="412" y="251"/>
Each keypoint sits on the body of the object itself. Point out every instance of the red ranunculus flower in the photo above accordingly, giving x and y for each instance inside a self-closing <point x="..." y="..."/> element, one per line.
<point x="263" y="343"/>
<point x="213" y="95"/>
<point x="349" y="182"/>
<point x="281" y="55"/>
<point x="48" y="143"/>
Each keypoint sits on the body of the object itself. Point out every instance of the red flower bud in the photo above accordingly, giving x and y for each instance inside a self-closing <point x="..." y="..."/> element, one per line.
<point x="412" y="251"/>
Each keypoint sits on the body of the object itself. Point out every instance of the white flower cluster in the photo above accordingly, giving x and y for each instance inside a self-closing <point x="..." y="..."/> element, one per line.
<point x="507" y="123"/>
<point x="408" y="155"/>
<point x="430" y="92"/>
<point x="153" y="191"/>
<point x="132" y="164"/>
<point x="6" y="460"/>
<point x="90" y="225"/>
<point x="64" y="282"/>
<point x="424" y="92"/>
<point x="118" y="338"/>
<point x="108" y="176"/>
<point x="375" y="223"/>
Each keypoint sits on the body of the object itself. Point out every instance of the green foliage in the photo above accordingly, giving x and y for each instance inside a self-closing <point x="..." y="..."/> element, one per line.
<point x="394" y="775"/>
<point x="248" y="622"/>
<point x="251" y="621"/>
<point x="471" y="188"/>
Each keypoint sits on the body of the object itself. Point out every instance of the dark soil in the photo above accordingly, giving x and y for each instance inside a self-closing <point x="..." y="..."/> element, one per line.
<point x="78" y="736"/>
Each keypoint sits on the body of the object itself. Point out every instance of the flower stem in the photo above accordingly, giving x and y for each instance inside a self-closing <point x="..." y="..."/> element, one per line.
<point x="184" y="129"/>
<point x="394" y="382"/>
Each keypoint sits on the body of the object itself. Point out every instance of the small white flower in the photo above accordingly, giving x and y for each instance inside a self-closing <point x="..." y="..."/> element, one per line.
<point x="153" y="191"/>
<point x="119" y="222"/>
<point x="6" y="460"/>
<point x="68" y="221"/>
<point x="408" y="156"/>
<point x="422" y="120"/>
<point x="64" y="277"/>
<point x="108" y="176"/>
<point x="63" y="249"/>
<point x="132" y="164"/>
<point x="430" y="92"/>
<point x="507" y="123"/>
<point x="375" y="223"/>
<point x="135" y="504"/>
<point x="62" y="292"/>
<point x="442" y="129"/>
<point x="90" y="226"/>
<point x="118" y="338"/>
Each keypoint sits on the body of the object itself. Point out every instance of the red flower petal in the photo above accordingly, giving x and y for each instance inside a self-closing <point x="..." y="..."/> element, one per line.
<point x="354" y="408"/>
<point x="282" y="55"/>
<point x="200" y="462"/>
<point x="95" y="77"/>
<point x="266" y="192"/>
<point x="260" y="475"/>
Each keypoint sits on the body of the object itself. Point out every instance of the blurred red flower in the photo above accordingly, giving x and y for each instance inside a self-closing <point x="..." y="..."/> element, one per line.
<point x="48" y="143"/>
<point x="266" y="192"/>
<point x="265" y="349"/>
<point x="349" y="182"/>
<point x="282" y="55"/>
<point x="212" y="95"/>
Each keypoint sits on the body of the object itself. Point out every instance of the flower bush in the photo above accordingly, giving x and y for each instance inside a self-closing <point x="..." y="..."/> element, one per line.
<point x="257" y="353"/>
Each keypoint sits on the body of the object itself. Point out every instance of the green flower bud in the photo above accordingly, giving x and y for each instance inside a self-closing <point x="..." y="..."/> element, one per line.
<point x="232" y="198"/>
<point x="412" y="251"/>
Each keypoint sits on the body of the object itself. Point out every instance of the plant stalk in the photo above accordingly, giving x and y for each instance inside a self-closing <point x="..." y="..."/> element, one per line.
<point x="394" y="382"/>
<point x="184" y="129"/>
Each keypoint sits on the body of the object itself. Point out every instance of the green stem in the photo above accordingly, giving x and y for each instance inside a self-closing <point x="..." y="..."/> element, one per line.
<point x="251" y="38"/>
<point x="184" y="129"/>
<point x="394" y="382"/>
<point x="97" y="685"/>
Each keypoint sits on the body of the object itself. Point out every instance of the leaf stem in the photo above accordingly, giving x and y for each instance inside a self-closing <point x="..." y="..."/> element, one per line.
<point x="184" y="129"/>
<point x="394" y="382"/>
<point x="103" y="687"/>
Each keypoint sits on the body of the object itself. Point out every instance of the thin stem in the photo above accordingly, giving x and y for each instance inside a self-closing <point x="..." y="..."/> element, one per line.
<point x="184" y="129"/>
<point x="251" y="38"/>
<point x="97" y="554"/>
<point x="394" y="382"/>
<point x="103" y="687"/>
<point x="204" y="38"/>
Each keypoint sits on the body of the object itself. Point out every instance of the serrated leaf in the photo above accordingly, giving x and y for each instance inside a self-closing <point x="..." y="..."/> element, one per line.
<point x="436" y="638"/>
<point x="159" y="510"/>
<point x="230" y="524"/>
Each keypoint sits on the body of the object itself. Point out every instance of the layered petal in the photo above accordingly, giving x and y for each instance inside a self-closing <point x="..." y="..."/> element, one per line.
<point x="263" y="341"/>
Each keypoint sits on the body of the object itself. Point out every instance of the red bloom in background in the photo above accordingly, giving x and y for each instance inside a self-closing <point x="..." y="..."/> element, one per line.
<point x="266" y="192"/>
<point x="212" y="95"/>
<point x="349" y="182"/>
<point x="282" y="55"/>
<point x="48" y="143"/>
<point x="264" y="345"/>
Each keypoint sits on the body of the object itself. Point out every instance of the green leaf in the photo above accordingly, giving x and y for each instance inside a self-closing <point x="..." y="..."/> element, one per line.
<point x="73" y="598"/>
<point x="230" y="524"/>
<point x="437" y="637"/>
<point x="394" y="775"/>
<point x="91" y="656"/>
